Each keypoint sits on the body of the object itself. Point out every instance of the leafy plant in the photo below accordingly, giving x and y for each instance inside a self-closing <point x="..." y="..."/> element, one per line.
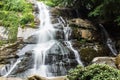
<point x="14" y="13"/>
<point x="94" y="72"/>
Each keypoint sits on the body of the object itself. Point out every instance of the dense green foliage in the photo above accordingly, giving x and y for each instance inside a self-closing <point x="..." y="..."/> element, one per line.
<point x="94" y="72"/>
<point x="15" y="13"/>
<point x="102" y="10"/>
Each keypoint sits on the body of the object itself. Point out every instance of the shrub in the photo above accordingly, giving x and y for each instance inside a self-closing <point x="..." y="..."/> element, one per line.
<point x="94" y="72"/>
<point x="14" y="13"/>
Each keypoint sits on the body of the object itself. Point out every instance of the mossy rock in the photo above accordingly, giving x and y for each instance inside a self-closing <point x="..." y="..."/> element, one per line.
<point x="87" y="54"/>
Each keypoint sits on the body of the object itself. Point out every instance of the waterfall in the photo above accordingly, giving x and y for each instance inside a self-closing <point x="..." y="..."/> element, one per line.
<point x="52" y="56"/>
<point x="47" y="41"/>
<point x="109" y="41"/>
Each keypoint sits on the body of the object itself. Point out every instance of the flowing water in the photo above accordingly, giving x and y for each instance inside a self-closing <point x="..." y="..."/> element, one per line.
<point x="109" y="41"/>
<point x="53" y="55"/>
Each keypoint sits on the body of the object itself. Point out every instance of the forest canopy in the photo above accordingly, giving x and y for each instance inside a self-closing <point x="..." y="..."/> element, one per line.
<point x="106" y="10"/>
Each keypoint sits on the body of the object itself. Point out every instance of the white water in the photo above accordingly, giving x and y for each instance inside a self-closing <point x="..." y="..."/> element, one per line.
<point x="12" y="68"/>
<point x="67" y="32"/>
<point x="47" y="40"/>
<point x="109" y="41"/>
<point x="46" y="35"/>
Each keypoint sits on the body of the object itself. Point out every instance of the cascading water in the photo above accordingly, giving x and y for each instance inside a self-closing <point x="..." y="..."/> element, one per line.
<point x="109" y="42"/>
<point x="52" y="57"/>
<point x="46" y="42"/>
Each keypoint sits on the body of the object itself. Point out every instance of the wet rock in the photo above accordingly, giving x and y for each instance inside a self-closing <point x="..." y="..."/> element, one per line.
<point x="117" y="62"/>
<point x="25" y="63"/>
<point x="3" y="78"/>
<point x="59" y="34"/>
<point x="105" y="60"/>
<point x="33" y="39"/>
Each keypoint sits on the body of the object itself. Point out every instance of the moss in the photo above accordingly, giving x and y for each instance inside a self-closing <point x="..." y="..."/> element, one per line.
<point x="94" y="72"/>
<point x="87" y="55"/>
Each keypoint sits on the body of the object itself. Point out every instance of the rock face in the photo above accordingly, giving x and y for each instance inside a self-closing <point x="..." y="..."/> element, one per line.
<point x="83" y="29"/>
<point x="105" y="60"/>
<point x="7" y="52"/>
<point x="88" y="51"/>
<point x="33" y="39"/>
<point x="26" y="32"/>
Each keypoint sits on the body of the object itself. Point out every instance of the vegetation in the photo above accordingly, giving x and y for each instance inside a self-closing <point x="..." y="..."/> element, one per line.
<point x="15" y="13"/>
<point x="94" y="72"/>
<point x="102" y="10"/>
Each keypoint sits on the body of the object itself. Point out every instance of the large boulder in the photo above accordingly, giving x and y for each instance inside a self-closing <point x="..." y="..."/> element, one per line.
<point x="117" y="62"/>
<point x="105" y="60"/>
<point x="83" y="29"/>
<point x="89" y="51"/>
<point x="33" y="39"/>
<point x="26" y="32"/>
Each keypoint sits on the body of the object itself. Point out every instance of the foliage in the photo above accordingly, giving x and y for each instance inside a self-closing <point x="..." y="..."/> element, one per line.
<point x="107" y="10"/>
<point x="94" y="72"/>
<point x="26" y="18"/>
<point x="14" y="13"/>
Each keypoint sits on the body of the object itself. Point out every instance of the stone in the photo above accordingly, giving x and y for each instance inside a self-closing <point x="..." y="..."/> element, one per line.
<point x="64" y="12"/>
<point x="105" y="60"/>
<point x="3" y="33"/>
<point x="76" y="33"/>
<point x="58" y="78"/>
<point x="36" y="77"/>
<point x="33" y="39"/>
<point x="3" y="78"/>
<point x="117" y="62"/>
<point x="26" y="32"/>
<point x="83" y="29"/>
<point x="89" y="52"/>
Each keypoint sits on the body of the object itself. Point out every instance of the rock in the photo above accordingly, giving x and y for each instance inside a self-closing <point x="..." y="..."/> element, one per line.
<point x="87" y="54"/>
<point x="58" y="78"/>
<point x="36" y="77"/>
<point x="26" y="32"/>
<point x="76" y="33"/>
<point x="33" y="39"/>
<point x="83" y="29"/>
<point x="3" y="78"/>
<point x="25" y="63"/>
<point x="3" y="33"/>
<point x="8" y="52"/>
<point x="117" y="62"/>
<point x="105" y="60"/>
<point x="65" y="12"/>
